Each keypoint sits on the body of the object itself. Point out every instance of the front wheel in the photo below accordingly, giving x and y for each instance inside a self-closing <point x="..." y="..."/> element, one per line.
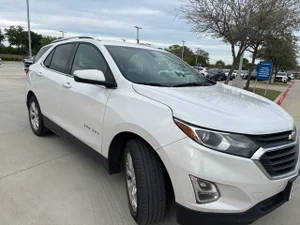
<point x="145" y="183"/>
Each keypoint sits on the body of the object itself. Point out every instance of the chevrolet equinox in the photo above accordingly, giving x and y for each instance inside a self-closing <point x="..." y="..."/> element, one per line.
<point x="222" y="154"/>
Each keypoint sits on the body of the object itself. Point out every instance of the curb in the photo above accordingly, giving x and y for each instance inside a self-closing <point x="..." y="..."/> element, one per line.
<point x="279" y="100"/>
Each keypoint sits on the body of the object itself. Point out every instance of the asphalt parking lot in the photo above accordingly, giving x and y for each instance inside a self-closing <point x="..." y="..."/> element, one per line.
<point x="49" y="181"/>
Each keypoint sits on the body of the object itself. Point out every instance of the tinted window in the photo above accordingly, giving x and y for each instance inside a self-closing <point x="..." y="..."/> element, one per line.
<point x="88" y="57"/>
<point x="41" y="52"/>
<point x="48" y="59"/>
<point x="61" y="57"/>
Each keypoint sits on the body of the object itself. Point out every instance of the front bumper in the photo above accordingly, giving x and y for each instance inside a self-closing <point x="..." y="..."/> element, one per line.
<point x="190" y="217"/>
<point x="242" y="184"/>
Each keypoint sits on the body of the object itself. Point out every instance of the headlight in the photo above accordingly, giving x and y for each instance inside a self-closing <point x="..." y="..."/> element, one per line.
<point x="234" y="144"/>
<point x="294" y="134"/>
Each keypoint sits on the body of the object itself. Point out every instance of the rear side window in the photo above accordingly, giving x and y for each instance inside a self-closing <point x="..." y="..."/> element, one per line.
<point x="88" y="57"/>
<point x="41" y="53"/>
<point x="61" y="57"/>
<point x="48" y="59"/>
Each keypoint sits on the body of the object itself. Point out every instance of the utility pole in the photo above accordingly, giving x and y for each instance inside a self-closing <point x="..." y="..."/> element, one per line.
<point x="29" y="35"/>
<point x="138" y="34"/>
<point x="197" y="51"/>
<point x="62" y="33"/>
<point x="182" y="53"/>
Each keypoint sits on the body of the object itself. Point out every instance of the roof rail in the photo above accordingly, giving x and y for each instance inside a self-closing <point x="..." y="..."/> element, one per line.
<point x="69" y="38"/>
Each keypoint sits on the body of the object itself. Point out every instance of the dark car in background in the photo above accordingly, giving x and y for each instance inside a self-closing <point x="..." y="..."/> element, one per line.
<point x="216" y="74"/>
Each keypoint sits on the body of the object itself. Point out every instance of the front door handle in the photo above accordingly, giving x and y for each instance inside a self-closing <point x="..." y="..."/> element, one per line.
<point x="67" y="85"/>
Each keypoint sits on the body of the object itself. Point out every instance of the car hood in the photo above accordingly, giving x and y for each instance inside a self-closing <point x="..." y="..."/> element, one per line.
<point x="221" y="107"/>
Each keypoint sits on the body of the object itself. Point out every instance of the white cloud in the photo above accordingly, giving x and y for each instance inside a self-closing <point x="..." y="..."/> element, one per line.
<point x="112" y="20"/>
<point x="130" y="11"/>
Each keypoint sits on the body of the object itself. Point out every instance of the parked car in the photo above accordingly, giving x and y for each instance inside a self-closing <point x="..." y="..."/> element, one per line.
<point x="281" y="77"/>
<point x="201" y="70"/>
<point x="244" y="73"/>
<point x="253" y="75"/>
<point x="233" y="75"/>
<point x="290" y="76"/>
<point x="216" y="74"/>
<point x="225" y="155"/>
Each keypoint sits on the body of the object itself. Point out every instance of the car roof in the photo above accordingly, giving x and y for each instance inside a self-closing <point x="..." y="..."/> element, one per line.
<point x="104" y="43"/>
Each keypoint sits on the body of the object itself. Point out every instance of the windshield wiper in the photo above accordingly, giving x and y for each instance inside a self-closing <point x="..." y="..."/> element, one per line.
<point x="193" y="84"/>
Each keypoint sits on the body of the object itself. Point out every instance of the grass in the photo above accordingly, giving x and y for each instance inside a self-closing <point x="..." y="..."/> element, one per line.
<point x="271" y="94"/>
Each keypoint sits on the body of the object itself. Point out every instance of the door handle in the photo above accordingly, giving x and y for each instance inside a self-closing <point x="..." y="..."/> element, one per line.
<point x="40" y="73"/>
<point x="67" y="85"/>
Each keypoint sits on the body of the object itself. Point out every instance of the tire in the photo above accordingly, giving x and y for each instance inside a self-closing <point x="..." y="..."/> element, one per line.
<point x="36" y="118"/>
<point x="151" y="195"/>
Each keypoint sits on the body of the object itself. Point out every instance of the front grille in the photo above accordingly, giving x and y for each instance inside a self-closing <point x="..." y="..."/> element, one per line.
<point x="281" y="161"/>
<point x="273" y="140"/>
<point x="282" y="156"/>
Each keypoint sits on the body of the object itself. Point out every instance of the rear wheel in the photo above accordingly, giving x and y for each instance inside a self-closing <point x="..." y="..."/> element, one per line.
<point x="145" y="183"/>
<point x="36" y="118"/>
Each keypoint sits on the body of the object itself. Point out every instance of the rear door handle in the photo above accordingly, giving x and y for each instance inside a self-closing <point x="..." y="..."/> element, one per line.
<point x="40" y="73"/>
<point x="67" y="85"/>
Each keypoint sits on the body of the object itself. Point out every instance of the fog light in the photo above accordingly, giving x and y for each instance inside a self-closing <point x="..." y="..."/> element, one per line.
<point x="205" y="191"/>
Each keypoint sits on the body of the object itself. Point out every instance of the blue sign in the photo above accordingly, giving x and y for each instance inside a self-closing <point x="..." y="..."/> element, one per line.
<point x="264" y="70"/>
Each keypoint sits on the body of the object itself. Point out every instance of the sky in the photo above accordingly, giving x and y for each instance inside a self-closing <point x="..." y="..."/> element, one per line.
<point x="114" y="20"/>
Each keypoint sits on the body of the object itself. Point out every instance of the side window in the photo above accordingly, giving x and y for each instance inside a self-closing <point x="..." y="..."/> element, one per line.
<point x="61" y="57"/>
<point x="41" y="53"/>
<point x="48" y="59"/>
<point x="88" y="57"/>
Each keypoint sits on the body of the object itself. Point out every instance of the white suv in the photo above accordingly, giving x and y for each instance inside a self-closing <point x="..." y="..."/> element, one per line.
<point x="224" y="155"/>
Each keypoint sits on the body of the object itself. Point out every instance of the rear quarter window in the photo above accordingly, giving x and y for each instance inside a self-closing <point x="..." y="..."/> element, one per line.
<point x="41" y="52"/>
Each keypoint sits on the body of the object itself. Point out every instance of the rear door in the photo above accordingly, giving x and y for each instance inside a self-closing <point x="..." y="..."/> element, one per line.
<point x="84" y="104"/>
<point x="52" y="79"/>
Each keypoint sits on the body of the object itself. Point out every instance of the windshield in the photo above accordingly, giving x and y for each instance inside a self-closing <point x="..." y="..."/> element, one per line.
<point x="156" y="68"/>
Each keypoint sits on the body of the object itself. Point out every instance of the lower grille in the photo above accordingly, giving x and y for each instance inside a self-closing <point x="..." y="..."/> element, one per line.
<point x="280" y="161"/>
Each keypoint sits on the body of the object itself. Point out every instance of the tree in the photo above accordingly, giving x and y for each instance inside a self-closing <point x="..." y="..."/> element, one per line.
<point x="189" y="55"/>
<point x="45" y="40"/>
<point x="202" y="57"/>
<point x="281" y="51"/>
<point x="2" y="37"/>
<point x="15" y="36"/>
<point x="270" y="18"/>
<point x="220" y="64"/>
<point x="227" y="20"/>
<point x="245" y="64"/>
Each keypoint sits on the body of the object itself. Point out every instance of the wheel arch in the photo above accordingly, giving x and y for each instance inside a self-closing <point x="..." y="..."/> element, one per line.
<point x="116" y="153"/>
<point x="29" y="95"/>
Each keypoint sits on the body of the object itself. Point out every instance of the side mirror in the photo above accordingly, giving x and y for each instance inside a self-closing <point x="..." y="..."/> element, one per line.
<point x="92" y="77"/>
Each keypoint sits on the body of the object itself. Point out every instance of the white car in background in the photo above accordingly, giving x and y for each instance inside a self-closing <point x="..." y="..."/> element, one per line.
<point x="201" y="70"/>
<point x="281" y="77"/>
<point x="290" y="76"/>
<point x="224" y="155"/>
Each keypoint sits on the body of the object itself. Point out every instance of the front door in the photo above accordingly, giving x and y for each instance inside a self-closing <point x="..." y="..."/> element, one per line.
<point x="84" y="104"/>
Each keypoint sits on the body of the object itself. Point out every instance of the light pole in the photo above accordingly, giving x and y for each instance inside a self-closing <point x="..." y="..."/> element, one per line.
<point x="62" y="33"/>
<point x="29" y="35"/>
<point x="182" y="53"/>
<point x="137" y="34"/>
<point x="197" y="51"/>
